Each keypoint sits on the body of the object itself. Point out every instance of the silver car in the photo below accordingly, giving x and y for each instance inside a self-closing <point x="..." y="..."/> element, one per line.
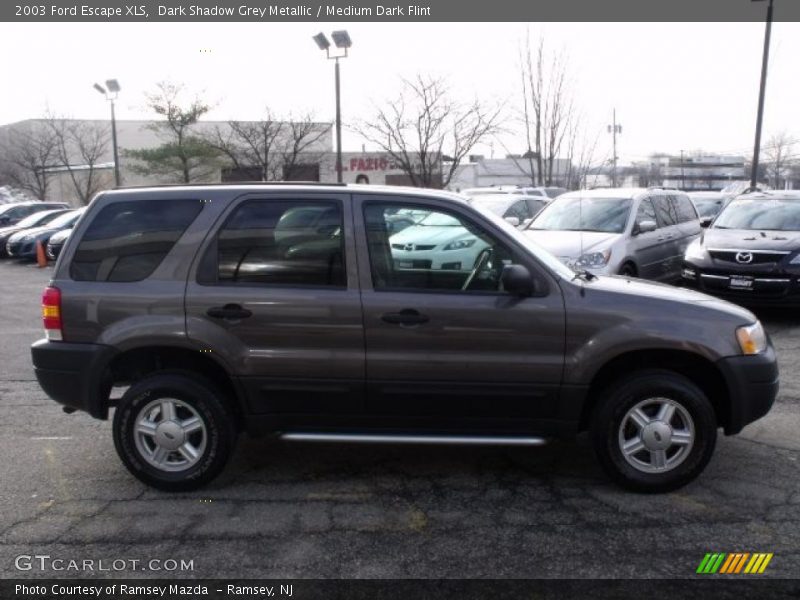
<point x="627" y="231"/>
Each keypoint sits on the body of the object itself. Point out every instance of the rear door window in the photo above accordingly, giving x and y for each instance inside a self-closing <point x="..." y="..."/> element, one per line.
<point x="665" y="211"/>
<point x="126" y="241"/>
<point x="281" y="242"/>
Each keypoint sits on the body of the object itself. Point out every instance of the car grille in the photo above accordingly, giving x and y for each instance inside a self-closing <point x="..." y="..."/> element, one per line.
<point x="413" y="247"/>
<point x="759" y="257"/>
<point x="763" y="284"/>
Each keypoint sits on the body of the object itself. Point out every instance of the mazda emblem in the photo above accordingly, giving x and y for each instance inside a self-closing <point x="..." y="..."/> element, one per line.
<point x="409" y="247"/>
<point x="744" y="257"/>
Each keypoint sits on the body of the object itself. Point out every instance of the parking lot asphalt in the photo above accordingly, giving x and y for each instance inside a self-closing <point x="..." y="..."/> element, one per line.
<point x="337" y="511"/>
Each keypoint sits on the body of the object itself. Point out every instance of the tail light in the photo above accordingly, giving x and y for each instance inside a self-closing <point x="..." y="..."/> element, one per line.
<point x="51" y="313"/>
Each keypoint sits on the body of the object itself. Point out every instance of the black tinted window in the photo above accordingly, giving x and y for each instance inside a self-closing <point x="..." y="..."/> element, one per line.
<point x="126" y="241"/>
<point x="683" y="208"/>
<point x="665" y="211"/>
<point x="283" y="243"/>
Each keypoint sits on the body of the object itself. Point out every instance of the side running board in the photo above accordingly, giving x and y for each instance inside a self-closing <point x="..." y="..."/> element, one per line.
<point x="475" y="440"/>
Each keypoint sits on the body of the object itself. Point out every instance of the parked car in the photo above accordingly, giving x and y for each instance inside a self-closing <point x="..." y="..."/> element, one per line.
<point x="23" y="243"/>
<point x="708" y="204"/>
<point x="56" y="243"/>
<point x="347" y="344"/>
<point x="628" y="231"/>
<point x="37" y="219"/>
<point x="15" y="212"/>
<point x="437" y="241"/>
<point x="540" y="192"/>
<point x="516" y="209"/>
<point x="751" y="253"/>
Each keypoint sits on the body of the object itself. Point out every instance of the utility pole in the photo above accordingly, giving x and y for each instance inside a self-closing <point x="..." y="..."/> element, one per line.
<point x="760" y="117"/>
<point x="614" y="129"/>
<point x="683" y="179"/>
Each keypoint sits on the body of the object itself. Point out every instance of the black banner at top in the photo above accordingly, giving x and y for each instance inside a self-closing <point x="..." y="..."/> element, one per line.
<point x="395" y="11"/>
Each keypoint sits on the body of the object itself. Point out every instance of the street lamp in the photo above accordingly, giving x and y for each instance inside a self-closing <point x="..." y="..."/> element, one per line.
<point x="342" y="41"/>
<point x="760" y="117"/>
<point x="111" y="91"/>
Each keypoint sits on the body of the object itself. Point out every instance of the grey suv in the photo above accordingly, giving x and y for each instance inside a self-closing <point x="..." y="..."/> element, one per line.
<point x="281" y="309"/>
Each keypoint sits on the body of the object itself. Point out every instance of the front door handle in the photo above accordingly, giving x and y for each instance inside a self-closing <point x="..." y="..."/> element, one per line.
<point x="407" y="316"/>
<point x="229" y="311"/>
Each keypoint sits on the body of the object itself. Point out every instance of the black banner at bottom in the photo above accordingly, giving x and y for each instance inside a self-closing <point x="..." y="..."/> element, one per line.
<point x="391" y="589"/>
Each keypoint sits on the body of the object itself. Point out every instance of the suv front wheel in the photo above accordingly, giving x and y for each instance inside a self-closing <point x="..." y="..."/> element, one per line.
<point x="173" y="431"/>
<point x="654" y="431"/>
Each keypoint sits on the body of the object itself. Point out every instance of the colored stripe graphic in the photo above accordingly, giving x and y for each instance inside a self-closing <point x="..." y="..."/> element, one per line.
<point x="727" y="564"/>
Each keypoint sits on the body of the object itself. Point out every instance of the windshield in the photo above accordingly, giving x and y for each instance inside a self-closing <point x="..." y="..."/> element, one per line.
<point x="66" y="219"/>
<point x="707" y="207"/>
<point x="576" y="213"/>
<point x="554" y="192"/>
<point x="39" y="218"/>
<point x="776" y="215"/>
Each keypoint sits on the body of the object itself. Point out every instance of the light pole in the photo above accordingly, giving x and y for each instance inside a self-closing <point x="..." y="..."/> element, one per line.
<point x="111" y="91"/>
<point x="762" y="89"/>
<point x="342" y="41"/>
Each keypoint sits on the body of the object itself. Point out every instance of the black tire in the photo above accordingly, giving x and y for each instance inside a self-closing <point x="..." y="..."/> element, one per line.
<point x="622" y="396"/>
<point x="192" y="392"/>
<point x="628" y="270"/>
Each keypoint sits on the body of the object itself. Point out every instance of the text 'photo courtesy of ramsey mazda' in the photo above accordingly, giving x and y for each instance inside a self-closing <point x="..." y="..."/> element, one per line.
<point x="325" y="325"/>
<point x="751" y="252"/>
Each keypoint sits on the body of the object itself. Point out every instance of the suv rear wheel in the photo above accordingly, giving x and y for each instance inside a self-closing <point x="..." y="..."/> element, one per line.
<point x="655" y="431"/>
<point x="173" y="431"/>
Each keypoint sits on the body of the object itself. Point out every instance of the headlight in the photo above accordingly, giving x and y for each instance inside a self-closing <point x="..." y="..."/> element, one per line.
<point x="795" y="260"/>
<point x="594" y="259"/>
<point x="695" y="252"/>
<point x="460" y="244"/>
<point x="751" y="338"/>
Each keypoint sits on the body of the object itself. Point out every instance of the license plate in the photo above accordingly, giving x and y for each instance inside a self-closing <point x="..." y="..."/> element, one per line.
<point x="741" y="283"/>
<point x="405" y="264"/>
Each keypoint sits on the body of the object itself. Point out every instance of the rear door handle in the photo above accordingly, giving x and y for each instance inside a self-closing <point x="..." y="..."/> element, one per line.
<point x="407" y="316"/>
<point x="229" y="311"/>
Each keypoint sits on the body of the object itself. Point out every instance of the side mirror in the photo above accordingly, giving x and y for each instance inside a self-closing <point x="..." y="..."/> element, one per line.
<point x="646" y="226"/>
<point x="705" y="221"/>
<point x="517" y="280"/>
<point x="513" y="221"/>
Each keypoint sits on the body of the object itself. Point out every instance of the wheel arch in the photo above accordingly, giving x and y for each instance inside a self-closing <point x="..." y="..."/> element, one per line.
<point x="132" y="364"/>
<point x="698" y="369"/>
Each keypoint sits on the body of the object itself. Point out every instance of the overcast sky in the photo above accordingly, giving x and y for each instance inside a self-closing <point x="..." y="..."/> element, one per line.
<point x="675" y="86"/>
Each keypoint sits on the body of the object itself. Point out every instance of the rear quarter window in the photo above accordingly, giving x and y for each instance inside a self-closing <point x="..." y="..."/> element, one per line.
<point x="126" y="241"/>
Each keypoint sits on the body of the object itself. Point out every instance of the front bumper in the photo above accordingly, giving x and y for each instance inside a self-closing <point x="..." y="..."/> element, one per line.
<point x="774" y="288"/>
<point x="753" y="383"/>
<point x="72" y="374"/>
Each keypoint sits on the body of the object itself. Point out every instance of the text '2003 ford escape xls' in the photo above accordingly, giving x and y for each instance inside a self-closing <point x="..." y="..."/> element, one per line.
<point x="290" y="310"/>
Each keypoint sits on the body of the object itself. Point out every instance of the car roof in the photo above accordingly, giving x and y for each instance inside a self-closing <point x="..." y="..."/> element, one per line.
<point x="242" y="188"/>
<point x="607" y="193"/>
<point x="770" y="195"/>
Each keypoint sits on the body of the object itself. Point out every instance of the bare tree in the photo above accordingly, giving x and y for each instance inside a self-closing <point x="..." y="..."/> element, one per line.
<point x="26" y="152"/>
<point x="277" y="148"/>
<point x="548" y="108"/>
<point x="778" y="155"/>
<point x="79" y="148"/>
<point x="424" y="124"/>
<point x="183" y="156"/>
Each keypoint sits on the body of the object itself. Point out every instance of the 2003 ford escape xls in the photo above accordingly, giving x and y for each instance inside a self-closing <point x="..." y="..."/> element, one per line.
<point x="291" y="310"/>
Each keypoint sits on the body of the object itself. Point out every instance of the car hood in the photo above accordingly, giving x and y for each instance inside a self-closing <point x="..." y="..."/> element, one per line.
<point x="429" y="234"/>
<point x="750" y="239"/>
<point x="60" y="236"/>
<point x="640" y="289"/>
<point x="9" y="230"/>
<point x="571" y="244"/>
